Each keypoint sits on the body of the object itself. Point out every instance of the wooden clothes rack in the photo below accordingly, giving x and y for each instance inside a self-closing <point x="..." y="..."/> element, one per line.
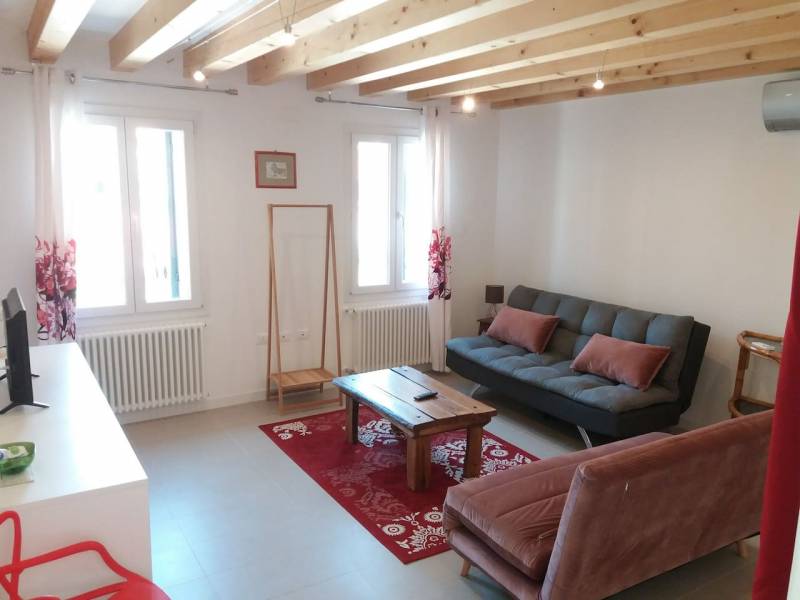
<point x="302" y="379"/>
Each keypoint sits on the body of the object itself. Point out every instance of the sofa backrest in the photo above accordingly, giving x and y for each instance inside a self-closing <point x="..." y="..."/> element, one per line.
<point x="582" y="318"/>
<point x="645" y="510"/>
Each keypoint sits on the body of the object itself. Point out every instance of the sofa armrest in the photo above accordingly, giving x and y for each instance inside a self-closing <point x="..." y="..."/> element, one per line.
<point x="634" y="514"/>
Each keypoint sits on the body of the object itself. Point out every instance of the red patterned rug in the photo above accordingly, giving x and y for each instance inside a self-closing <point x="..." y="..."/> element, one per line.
<point x="369" y="479"/>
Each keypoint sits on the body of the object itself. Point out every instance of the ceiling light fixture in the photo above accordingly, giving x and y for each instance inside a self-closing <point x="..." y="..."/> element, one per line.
<point x="599" y="84"/>
<point x="199" y="76"/>
<point x="287" y="37"/>
<point x="468" y="104"/>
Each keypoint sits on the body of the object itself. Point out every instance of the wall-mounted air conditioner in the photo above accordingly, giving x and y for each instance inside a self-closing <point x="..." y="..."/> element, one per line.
<point x="781" y="105"/>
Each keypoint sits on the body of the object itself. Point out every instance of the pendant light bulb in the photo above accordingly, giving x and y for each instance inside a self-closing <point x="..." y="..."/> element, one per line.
<point x="598" y="84"/>
<point x="288" y="38"/>
<point x="468" y="104"/>
<point x="199" y="76"/>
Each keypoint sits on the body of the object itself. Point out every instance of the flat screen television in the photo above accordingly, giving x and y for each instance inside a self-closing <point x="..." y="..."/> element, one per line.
<point x="18" y="361"/>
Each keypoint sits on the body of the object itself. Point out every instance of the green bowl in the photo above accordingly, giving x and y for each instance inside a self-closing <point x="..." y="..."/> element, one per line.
<point x="14" y="465"/>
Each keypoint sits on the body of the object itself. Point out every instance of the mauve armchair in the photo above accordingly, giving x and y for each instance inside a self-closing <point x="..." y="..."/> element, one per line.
<point x="589" y="524"/>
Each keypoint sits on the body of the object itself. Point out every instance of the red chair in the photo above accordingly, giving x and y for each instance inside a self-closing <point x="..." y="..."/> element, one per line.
<point x="132" y="586"/>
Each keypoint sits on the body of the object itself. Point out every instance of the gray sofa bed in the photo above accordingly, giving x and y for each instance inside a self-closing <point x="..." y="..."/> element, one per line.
<point x="594" y="404"/>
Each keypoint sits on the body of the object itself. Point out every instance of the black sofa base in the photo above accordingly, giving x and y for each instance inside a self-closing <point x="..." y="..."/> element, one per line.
<point x="595" y="420"/>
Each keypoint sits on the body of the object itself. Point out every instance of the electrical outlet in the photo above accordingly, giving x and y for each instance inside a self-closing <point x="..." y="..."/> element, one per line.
<point x="261" y="339"/>
<point x="286" y="336"/>
<point x="302" y="334"/>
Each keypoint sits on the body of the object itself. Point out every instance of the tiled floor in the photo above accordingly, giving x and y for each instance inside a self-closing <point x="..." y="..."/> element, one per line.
<point x="233" y="518"/>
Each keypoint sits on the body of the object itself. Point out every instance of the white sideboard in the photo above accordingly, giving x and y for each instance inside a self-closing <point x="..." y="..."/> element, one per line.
<point x="87" y="483"/>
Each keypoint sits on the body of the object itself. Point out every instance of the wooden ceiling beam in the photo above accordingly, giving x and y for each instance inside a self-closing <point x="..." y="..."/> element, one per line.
<point x="686" y="17"/>
<point x="261" y="29"/>
<point x="52" y="25"/>
<point x="727" y="37"/>
<point x="158" y="26"/>
<point x="392" y="22"/>
<point x="678" y="66"/>
<point x="531" y="21"/>
<point x="749" y="70"/>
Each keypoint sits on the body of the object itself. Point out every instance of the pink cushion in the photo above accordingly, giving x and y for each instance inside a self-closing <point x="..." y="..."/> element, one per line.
<point x="523" y="328"/>
<point x="620" y="360"/>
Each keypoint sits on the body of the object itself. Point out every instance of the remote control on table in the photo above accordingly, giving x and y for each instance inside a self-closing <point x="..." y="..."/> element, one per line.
<point x="426" y="395"/>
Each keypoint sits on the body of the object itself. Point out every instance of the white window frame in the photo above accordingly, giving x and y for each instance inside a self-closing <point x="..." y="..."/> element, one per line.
<point x="126" y="121"/>
<point x="395" y="286"/>
<point x="129" y="307"/>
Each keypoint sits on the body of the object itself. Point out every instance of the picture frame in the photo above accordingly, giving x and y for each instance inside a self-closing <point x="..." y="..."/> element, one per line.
<point x="277" y="170"/>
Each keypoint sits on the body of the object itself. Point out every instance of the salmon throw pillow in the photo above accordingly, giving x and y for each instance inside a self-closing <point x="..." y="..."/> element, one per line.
<point x="619" y="360"/>
<point x="523" y="328"/>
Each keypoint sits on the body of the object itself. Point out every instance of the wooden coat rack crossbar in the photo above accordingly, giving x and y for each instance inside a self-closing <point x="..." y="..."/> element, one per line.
<point x="302" y="379"/>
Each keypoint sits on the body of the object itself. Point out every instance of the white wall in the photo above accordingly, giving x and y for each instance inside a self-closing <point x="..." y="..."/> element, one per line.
<point x="675" y="201"/>
<point x="473" y="187"/>
<point x="16" y="177"/>
<point x="232" y="212"/>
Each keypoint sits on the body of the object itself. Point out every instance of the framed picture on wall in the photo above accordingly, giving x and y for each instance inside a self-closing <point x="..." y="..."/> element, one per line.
<point x="276" y="169"/>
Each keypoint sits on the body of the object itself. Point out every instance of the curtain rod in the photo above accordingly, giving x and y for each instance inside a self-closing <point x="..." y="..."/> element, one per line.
<point x="169" y="86"/>
<point x="323" y="100"/>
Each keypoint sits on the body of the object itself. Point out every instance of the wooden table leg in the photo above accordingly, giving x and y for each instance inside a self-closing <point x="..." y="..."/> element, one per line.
<point x="351" y="420"/>
<point x="474" y="455"/>
<point x="418" y="462"/>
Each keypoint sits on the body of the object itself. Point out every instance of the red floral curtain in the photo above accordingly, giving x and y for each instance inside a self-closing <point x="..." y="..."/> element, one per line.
<point x="57" y="178"/>
<point x="439" y="254"/>
<point x="55" y="289"/>
<point x="437" y="136"/>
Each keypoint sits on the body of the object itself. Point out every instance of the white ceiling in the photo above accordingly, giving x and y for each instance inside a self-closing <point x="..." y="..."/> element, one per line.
<point x="106" y="16"/>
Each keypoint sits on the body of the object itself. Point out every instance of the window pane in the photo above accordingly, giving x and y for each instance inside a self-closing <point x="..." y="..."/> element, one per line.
<point x="416" y="202"/>
<point x="100" y="251"/>
<point x="374" y="204"/>
<point x="163" y="213"/>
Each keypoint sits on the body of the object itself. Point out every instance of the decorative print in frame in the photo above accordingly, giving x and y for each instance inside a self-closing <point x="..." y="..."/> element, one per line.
<point x="276" y="169"/>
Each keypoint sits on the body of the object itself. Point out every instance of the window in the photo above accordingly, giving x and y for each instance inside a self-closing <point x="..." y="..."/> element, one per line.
<point x="132" y="224"/>
<point x="392" y="214"/>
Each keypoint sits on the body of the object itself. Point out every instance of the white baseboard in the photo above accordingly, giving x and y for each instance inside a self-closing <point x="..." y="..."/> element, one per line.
<point x="192" y="407"/>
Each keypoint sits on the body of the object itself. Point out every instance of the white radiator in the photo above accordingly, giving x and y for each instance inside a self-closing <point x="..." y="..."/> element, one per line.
<point x="147" y="368"/>
<point x="391" y="335"/>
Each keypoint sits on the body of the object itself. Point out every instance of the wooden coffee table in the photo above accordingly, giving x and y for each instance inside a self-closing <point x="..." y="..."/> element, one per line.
<point x="391" y="392"/>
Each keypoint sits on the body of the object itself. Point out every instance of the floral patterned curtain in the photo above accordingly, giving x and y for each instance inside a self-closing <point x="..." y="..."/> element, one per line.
<point x="440" y="251"/>
<point x="56" y="111"/>
<point x="55" y="289"/>
<point x="439" y="254"/>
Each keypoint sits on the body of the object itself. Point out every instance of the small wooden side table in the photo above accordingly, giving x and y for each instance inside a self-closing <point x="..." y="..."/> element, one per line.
<point x="483" y="324"/>
<point x="758" y="344"/>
